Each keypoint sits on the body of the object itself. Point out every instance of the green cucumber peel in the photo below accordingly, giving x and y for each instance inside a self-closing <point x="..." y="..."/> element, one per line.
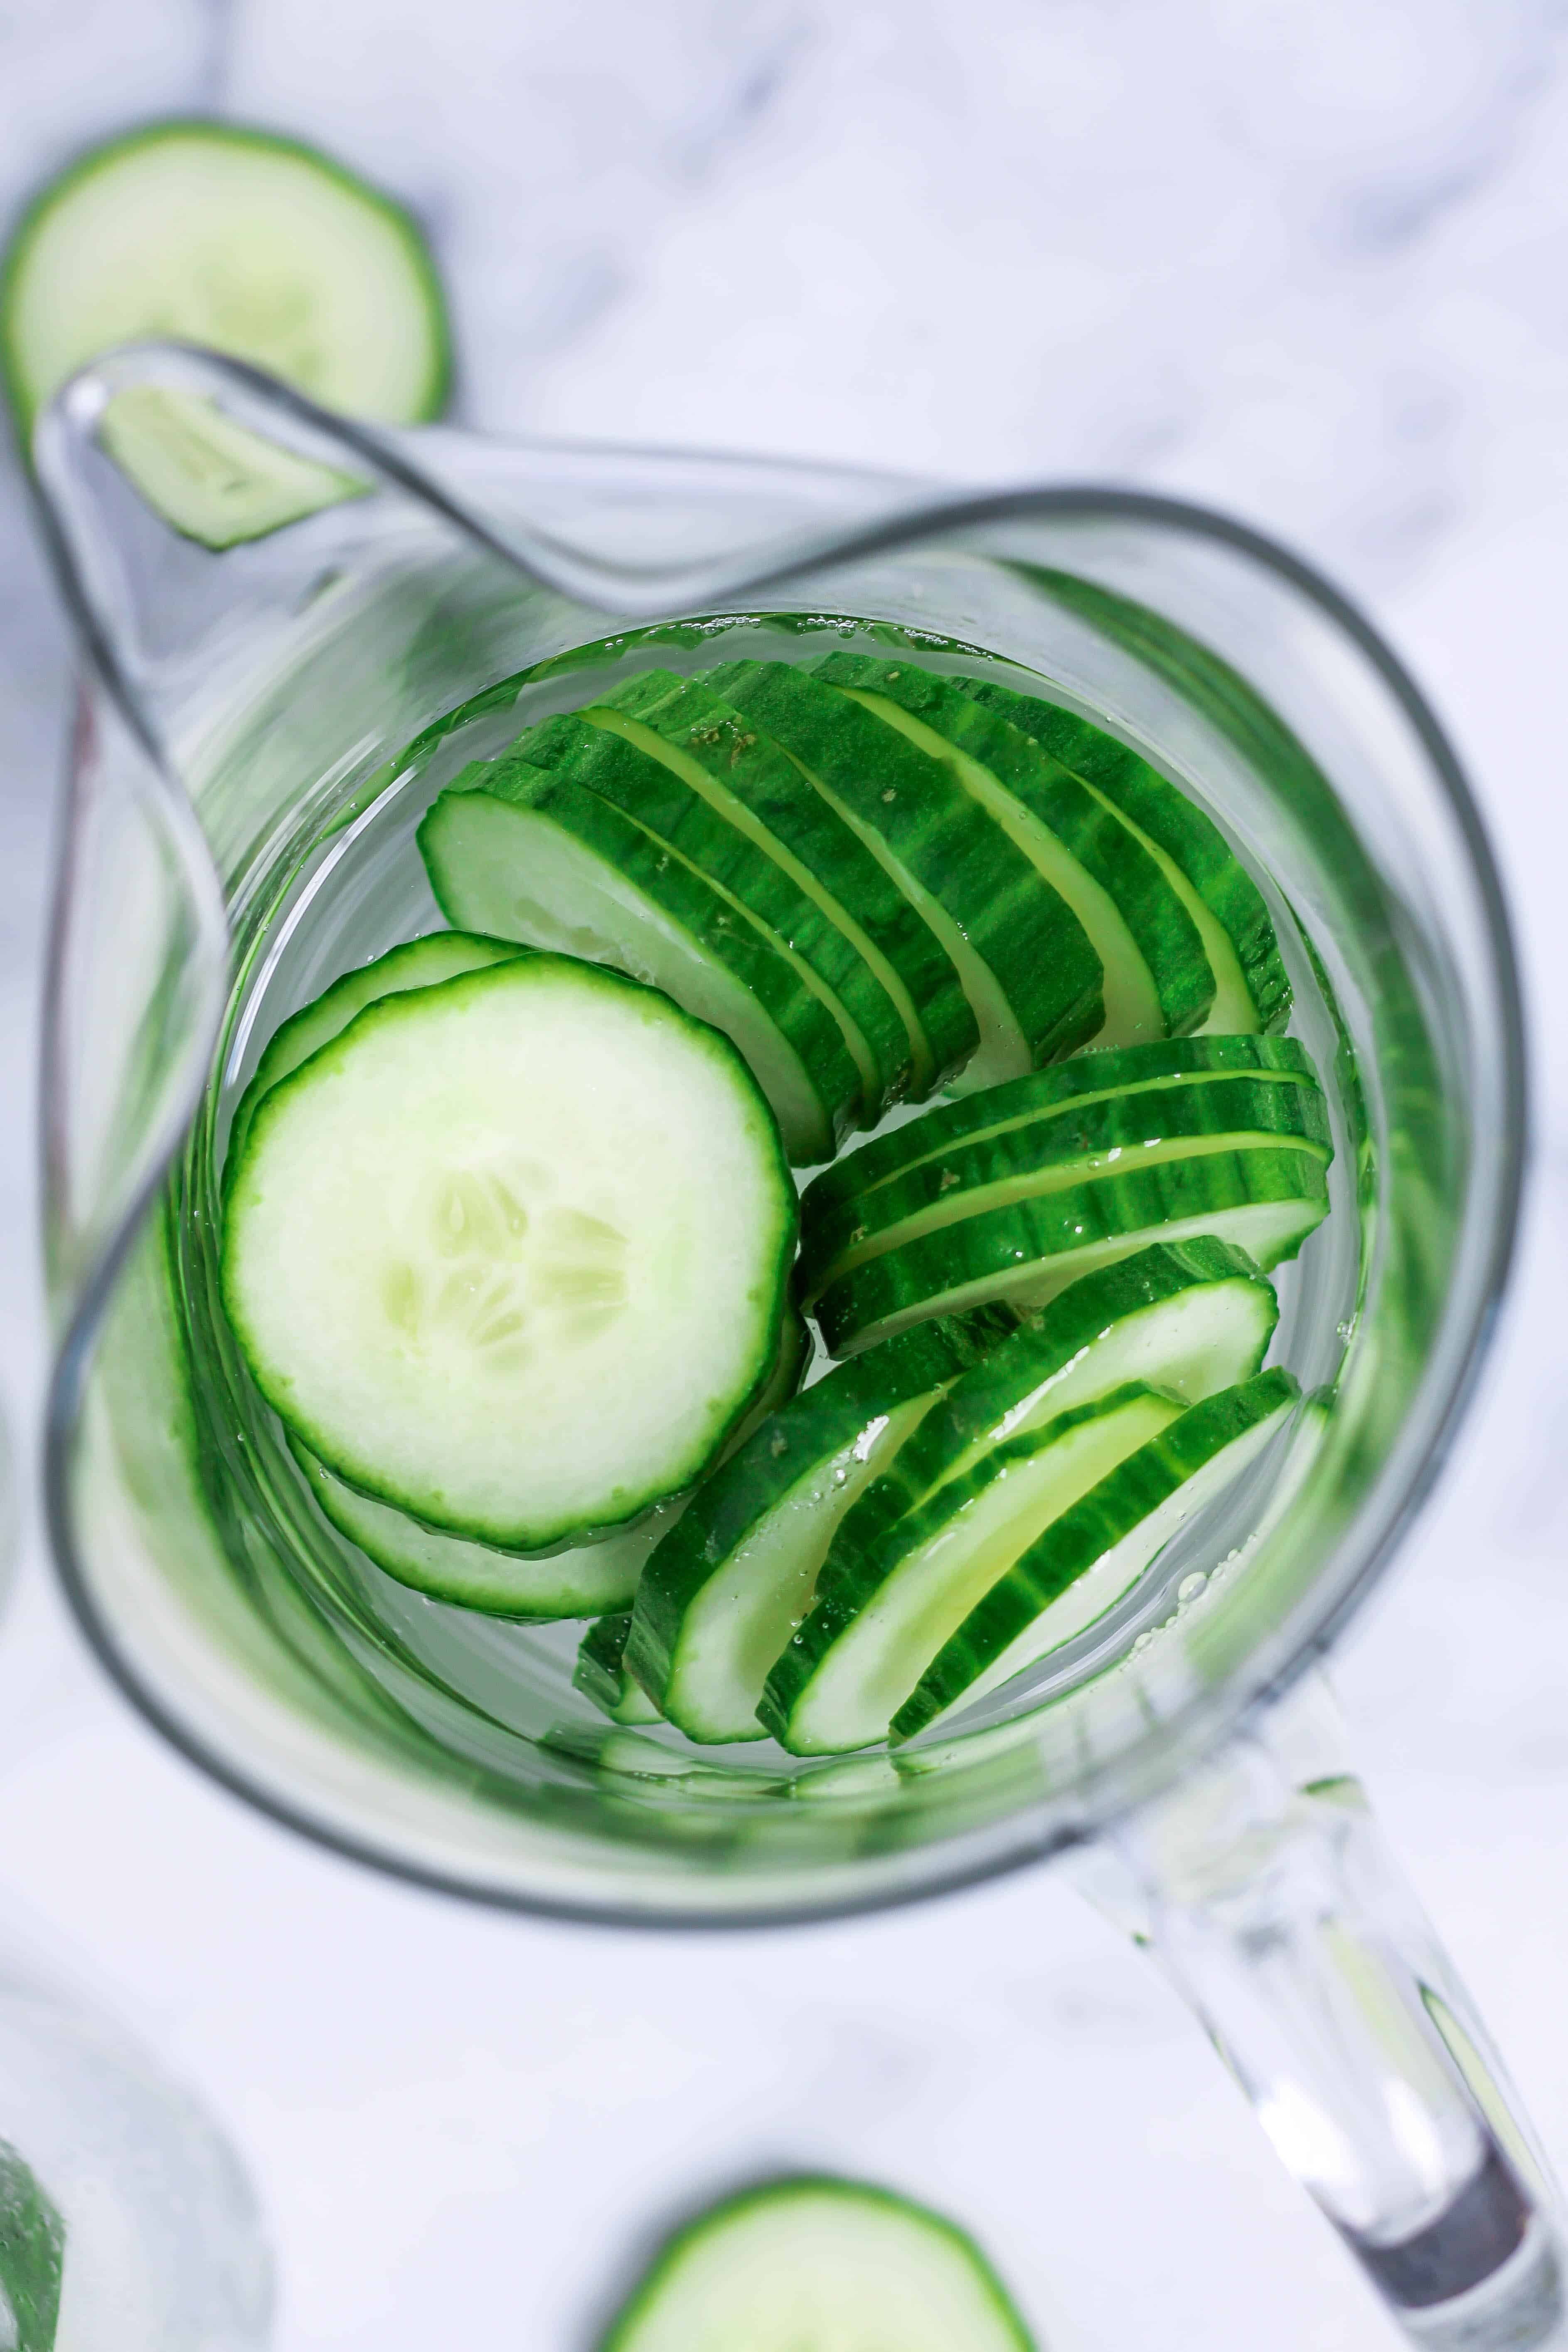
<point x="1118" y="1133"/>
<point x="1149" y="1493"/>
<point x="731" y="1579"/>
<point x="919" y="1020"/>
<point x="1266" y="1201"/>
<point x="884" y="1611"/>
<point x="1032" y="978"/>
<point x="1169" y="986"/>
<point x="1185" y="833"/>
<point x="1087" y="1079"/>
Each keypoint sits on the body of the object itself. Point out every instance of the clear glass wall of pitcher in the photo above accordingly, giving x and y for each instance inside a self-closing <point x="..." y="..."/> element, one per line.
<point x="244" y="803"/>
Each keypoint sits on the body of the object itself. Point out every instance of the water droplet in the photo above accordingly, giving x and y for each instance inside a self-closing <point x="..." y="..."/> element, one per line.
<point x="1191" y="1586"/>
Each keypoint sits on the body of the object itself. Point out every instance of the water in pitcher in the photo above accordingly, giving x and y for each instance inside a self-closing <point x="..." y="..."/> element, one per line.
<point x="349" y="884"/>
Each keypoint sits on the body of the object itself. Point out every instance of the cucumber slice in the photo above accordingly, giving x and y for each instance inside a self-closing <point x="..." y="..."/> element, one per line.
<point x="1120" y="1135"/>
<point x="1188" y="1317"/>
<point x="760" y="788"/>
<point x="819" y="2265"/>
<point x="1090" y="1556"/>
<point x="882" y="1614"/>
<point x="32" y="2257"/>
<point x="1252" y="988"/>
<point x="1265" y="1201"/>
<point x="1090" y="1078"/>
<point x="1157" y="977"/>
<point x="1032" y="979"/>
<point x="516" y="852"/>
<point x="245" y="243"/>
<point x="731" y="1581"/>
<point x="211" y="479"/>
<point x="578" y="1582"/>
<point x="759" y="895"/>
<point x="601" y="1671"/>
<point x="509" y="1253"/>
<point x="419" y="963"/>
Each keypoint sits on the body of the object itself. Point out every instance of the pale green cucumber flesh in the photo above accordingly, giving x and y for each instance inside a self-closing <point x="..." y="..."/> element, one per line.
<point x="883" y="1615"/>
<point x="33" y="2249"/>
<point x="813" y="2264"/>
<point x="580" y="1582"/>
<point x="1189" y="1318"/>
<point x="1117" y="1136"/>
<point x="577" y="1582"/>
<point x="758" y="893"/>
<point x="1130" y="1002"/>
<point x="1032" y="978"/>
<point x="418" y="963"/>
<point x="1252" y="987"/>
<point x="1265" y="1202"/>
<point x="576" y="876"/>
<point x="509" y="1253"/>
<point x="754" y="778"/>
<point x="237" y="240"/>
<point x="1077" y="1085"/>
<point x="209" y="479"/>
<point x="1083" y="1563"/>
<point x="601" y="1674"/>
<point x="722" y="1595"/>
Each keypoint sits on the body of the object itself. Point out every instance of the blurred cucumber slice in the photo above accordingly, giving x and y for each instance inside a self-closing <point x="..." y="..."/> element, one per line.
<point x="246" y="244"/>
<point x="819" y="2265"/>
<point x="32" y="2252"/>
<point x="209" y="479"/>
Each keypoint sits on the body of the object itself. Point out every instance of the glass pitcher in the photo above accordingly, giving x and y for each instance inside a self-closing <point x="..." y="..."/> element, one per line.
<point x="257" y="732"/>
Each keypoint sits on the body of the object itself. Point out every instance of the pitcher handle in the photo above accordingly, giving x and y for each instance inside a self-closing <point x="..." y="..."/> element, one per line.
<point x="1267" y="1891"/>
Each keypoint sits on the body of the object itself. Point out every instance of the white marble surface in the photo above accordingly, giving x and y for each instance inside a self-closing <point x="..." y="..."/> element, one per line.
<point x="1307" y="258"/>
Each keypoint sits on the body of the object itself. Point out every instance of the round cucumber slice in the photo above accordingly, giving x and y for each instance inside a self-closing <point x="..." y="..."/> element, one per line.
<point x="1031" y="976"/>
<point x="237" y="240"/>
<point x="1189" y="1318"/>
<point x="819" y="2265"/>
<point x="762" y="790"/>
<point x="1252" y="987"/>
<point x="509" y="1252"/>
<point x="1067" y="1086"/>
<point x="1265" y="1201"/>
<point x="513" y="850"/>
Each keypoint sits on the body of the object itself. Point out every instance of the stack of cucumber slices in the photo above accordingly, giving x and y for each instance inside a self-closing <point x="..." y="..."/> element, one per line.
<point x="510" y="1234"/>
